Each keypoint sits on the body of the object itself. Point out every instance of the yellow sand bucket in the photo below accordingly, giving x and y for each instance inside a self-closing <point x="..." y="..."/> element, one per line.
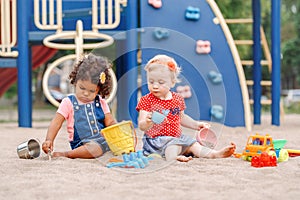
<point x="120" y="137"/>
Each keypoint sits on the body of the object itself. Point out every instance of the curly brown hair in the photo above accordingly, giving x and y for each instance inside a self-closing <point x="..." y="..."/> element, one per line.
<point x="89" y="68"/>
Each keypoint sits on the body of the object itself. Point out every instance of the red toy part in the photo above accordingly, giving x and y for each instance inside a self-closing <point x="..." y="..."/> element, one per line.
<point x="293" y="152"/>
<point x="264" y="160"/>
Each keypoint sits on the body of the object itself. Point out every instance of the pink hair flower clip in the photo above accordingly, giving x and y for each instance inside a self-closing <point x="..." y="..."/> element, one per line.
<point x="171" y="66"/>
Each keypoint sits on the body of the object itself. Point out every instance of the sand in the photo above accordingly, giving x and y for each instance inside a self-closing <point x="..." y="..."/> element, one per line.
<point x="229" y="178"/>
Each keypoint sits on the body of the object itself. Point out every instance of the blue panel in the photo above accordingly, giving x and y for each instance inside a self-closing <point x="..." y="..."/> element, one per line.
<point x="181" y="44"/>
<point x="127" y="66"/>
<point x="8" y="62"/>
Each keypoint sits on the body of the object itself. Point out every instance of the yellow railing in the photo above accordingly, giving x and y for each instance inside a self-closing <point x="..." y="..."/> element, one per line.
<point x="8" y="28"/>
<point x="240" y="71"/>
<point x="264" y="43"/>
<point x="266" y="52"/>
<point x="109" y="15"/>
<point x="47" y="19"/>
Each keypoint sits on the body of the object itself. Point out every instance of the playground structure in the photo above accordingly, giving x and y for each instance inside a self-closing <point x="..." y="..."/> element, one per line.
<point x="194" y="32"/>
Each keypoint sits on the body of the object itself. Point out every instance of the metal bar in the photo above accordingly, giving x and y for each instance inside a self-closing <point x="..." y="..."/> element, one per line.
<point x="59" y="15"/>
<point x="2" y="25"/>
<point x="102" y="12"/>
<point x="8" y="63"/>
<point x="263" y="83"/>
<point x="128" y="91"/>
<point x="266" y="49"/>
<point x="44" y="12"/>
<point x="250" y="62"/>
<point x="275" y="37"/>
<point x="243" y="42"/>
<point x="24" y="67"/>
<point x="14" y="23"/>
<point x="239" y="21"/>
<point x="256" y="10"/>
<point x="7" y="25"/>
<point x="51" y="12"/>
<point x="110" y="11"/>
<point x="94" y="15"/>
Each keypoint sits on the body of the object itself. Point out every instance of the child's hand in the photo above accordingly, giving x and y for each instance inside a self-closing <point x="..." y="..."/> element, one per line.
<point x="145" y="120"/>
<point x="203" y="125"/>
<point x="149" y="118"/>
<point x="47" y="145"/>
<point x="148" y="121"/>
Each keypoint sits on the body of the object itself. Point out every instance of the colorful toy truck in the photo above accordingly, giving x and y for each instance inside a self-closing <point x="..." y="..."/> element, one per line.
<point x="257" y="144"/>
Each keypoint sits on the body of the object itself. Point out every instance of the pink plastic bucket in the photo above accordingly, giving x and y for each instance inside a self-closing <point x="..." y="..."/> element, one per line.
<point x="207" y="137"/>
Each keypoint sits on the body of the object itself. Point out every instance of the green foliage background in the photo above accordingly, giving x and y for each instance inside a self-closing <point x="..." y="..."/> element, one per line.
<point x="290" y="35"/>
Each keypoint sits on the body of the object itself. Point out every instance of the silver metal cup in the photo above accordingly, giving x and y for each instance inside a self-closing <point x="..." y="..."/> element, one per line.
<point x="29" y="150"/>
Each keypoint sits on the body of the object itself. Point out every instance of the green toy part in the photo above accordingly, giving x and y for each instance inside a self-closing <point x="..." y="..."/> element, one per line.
<point x="279" y="143"/>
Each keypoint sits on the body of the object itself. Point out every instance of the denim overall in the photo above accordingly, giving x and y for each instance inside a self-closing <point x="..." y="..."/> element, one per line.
<point x="88" y="122"/>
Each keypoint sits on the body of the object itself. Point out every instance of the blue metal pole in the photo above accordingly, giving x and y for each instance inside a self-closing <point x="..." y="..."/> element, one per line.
<point x="23" y="65"/>
<point x="256" y="10"/>
<point x="275" y="52"/>
<point x="127" y="91"/>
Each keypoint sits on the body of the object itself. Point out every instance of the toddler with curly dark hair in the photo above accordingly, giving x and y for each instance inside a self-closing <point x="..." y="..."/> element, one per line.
<point x="85" y="111"/>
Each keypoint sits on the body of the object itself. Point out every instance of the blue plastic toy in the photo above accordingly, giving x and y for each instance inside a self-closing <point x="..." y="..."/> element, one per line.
<point x="131" y="160"/>
<point x="158" y="117"/>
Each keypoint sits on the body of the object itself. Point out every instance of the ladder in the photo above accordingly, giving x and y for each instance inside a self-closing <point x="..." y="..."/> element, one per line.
<point x="266" y="62"/>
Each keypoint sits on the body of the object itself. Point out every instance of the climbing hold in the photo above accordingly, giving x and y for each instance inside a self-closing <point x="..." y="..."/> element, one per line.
<point x="185" y="91"/>
<point x="161" y="33"/>
<point x="203" y="47"/>
<point x="192" y="13"/>
<point x="215" y="77"/>
<point x="155" y="3"/>
<point x="217" y="112"/>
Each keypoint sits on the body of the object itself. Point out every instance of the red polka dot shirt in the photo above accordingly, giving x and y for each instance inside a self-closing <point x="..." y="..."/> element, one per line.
<point x="171" y="124"/>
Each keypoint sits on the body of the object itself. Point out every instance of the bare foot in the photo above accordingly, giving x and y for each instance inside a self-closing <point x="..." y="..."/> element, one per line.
<point x="59" y="154"/>
<point x="225" y="152"/>
<point x="184" y="158"/>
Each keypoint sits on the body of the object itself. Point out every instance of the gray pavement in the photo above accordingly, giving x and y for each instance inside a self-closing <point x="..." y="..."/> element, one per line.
<point x="11" y="115"/>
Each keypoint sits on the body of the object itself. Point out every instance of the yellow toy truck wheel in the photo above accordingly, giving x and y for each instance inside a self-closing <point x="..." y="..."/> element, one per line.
<point x="244" y="157"/>
<point x="283" y="155"/>
<point x="272" y="153"/>
<point x="247" y="158"/>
